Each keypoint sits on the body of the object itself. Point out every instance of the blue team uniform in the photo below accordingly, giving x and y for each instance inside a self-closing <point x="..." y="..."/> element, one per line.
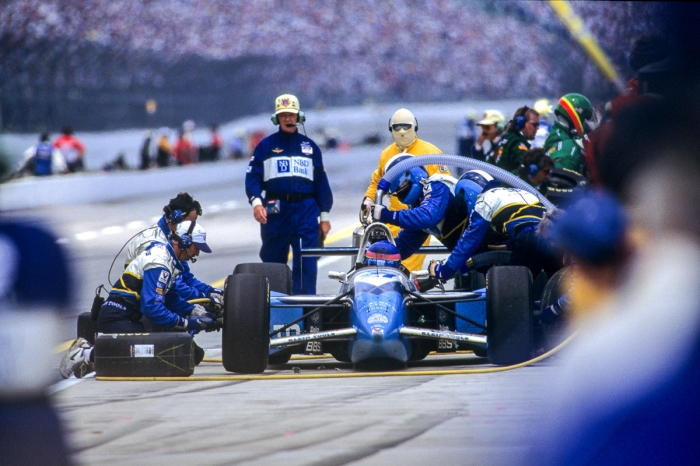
<point x="438" y="214"/>
<point x="289" y="169"/>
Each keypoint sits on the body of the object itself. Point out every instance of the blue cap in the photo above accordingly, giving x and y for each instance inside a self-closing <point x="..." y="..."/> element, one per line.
<point x="593" y="228"/>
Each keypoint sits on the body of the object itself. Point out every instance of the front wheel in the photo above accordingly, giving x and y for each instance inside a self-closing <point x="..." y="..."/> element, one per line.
<point x="509" y="317"/>
<point x="245" y="344"/>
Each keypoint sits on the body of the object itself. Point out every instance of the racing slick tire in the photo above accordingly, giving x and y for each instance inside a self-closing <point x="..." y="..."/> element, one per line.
<point x="557" y="286"/>
<point x="510" y="326"/>
<point x="279" y="275"/>
<point x="245" y="345"/>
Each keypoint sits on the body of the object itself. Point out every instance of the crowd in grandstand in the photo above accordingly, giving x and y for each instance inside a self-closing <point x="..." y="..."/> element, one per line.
<point x="409" y="50"/>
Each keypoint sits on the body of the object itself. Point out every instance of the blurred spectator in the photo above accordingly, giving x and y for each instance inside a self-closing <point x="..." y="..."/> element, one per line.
<point x="535" y="169"/>
<point x="164" y="151"/>
<point x="466" y="136"/>
<point x="146" y="152"/>
<point x="211" y="152"/>
<point x="119" y="163"/>
<point x="492" y="126"/>
<point x="185" y="152"/>
<point x="255" y="139"/>
<point x="42" y="159"/>
<point x="237" y="149"/>
<point x="72" y="150"/>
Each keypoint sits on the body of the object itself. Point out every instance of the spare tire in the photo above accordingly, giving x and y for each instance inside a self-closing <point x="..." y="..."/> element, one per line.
<point x="509" y="318"/>
<point x="245" y="345"/>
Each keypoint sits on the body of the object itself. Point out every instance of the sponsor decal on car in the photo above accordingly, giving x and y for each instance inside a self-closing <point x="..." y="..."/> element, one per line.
<point x="377" y="319"/>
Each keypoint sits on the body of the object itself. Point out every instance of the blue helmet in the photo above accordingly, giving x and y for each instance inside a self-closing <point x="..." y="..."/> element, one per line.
<point x="383" y="253"/>
<point x="473" y="183"/>
<point x="407" y="187"/>
<point x="593" y="228"/>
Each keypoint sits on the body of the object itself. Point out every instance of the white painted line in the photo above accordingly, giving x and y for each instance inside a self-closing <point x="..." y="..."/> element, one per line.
<point x="112" y="230"/>
<point x="214" y="208"/>
<point x="63" y="384"/>
<point x="137" y="225"/>
<point x="230" y="205"/>
<point x="86" y="235"/>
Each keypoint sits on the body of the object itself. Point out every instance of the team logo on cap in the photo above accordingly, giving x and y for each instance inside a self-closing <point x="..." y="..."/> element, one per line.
<point x="285" y="102"/>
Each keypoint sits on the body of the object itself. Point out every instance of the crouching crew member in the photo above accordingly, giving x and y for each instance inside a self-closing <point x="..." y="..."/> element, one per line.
<point x="181" y="208"/>
<point x="146" y="289"/>
<point x="288" y="167"/>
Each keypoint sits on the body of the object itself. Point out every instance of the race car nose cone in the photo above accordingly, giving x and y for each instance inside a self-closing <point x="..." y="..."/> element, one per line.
<point x="377" y="334"/>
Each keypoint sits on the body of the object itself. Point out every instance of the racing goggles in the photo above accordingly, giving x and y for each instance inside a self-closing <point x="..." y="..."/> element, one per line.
<point x="401" y="126"/>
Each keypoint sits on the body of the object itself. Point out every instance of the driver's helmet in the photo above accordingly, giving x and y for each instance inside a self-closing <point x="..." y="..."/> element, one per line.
<point x="383" y="253"/>
<point x="473" y="183"/>
<point x="576" y="109"/>
<point x="407" y="187"/>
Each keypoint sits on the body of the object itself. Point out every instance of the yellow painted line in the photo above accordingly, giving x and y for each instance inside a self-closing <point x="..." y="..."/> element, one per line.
<point x="63" y="346"/>
<point x="346" y="375"/>
<point x="343" y="233"/>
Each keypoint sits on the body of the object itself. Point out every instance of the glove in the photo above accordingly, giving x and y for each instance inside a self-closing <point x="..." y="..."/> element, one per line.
<point x="379" y="213"/>
<point x="198" y="310"/>
<point x="217" y="296"/>
<point x="439" y="270"/>
<point x="199" y="323"/>
<point x="364" y="210"/>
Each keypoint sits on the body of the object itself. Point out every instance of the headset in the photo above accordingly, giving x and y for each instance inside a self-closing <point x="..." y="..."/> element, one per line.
<point x="301" y="118"/>
<point x="416" y="127"/>
<point x="174" y="215"/>
<point x="519" y="121"/>
<point x="185" y="241"/>
<point x="533" y="169"/>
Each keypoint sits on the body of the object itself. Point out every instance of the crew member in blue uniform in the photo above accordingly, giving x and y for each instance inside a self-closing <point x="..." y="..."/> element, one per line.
<point x="432" y="207"/>
<point x="288" y="188"/>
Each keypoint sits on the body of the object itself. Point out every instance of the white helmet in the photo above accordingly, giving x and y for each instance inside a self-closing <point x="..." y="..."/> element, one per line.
<point x="403" y="126"/>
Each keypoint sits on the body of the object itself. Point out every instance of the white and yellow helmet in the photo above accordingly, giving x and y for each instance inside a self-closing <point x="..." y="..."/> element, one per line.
<point x="403" y="126"/>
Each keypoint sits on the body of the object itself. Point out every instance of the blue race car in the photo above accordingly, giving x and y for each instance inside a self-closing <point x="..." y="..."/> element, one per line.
<point x="378" y="314"/>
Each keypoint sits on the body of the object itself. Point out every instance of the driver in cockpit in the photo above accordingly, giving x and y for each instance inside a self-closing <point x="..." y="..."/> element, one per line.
<point x="383" y="253"/>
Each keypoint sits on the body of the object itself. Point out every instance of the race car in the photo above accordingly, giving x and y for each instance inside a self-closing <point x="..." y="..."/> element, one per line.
<point x="378" y="314"/>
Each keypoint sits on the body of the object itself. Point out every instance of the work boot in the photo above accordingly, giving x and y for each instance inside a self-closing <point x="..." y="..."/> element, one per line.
<point x="76" y="360"/>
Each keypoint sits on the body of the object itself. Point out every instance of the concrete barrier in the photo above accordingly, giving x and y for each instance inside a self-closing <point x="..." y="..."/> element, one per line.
<point x="96" y="187"/>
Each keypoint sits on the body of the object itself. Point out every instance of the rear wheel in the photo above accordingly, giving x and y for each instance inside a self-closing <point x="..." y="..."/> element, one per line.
<point x="556" y="287"/>
<point x="246" y="333"/>
<point x="279" y="275"/>
<point x="509" y="319"/>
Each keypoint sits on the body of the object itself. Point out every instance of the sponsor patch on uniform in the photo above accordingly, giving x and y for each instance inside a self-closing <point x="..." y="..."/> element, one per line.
<point x="560" y="145"/>
<point x="164" y="276"/>
<point x="159" y="290"/>
<point x="443" y="168"/>
<point x="306" y="148"/>
<point x="283" y="166"/>
<point x="278" y="150"/>
<point x="377" y="319"/>
<point x="522" y="147"/>
<point x="252" y="157"/>
<point x="249" y="169"/>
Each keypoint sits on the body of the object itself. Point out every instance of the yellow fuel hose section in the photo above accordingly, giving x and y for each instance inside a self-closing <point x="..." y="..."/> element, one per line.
<point x="485" y="370"/>
<point x="578" y="30"/>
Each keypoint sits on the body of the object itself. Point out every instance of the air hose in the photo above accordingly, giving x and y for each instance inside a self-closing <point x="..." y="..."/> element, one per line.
<point x="461" y="162"/>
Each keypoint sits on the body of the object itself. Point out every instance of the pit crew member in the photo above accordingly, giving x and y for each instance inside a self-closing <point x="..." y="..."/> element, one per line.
<point x="514" y="141"/>
<point x="288" y="167"/>
<point x="72" y="149"/>
<point x="145" y="288"/>
<point x="403" y="126"/>
<point x="565" y="141"/>
<point x="492" y="126"/>
<point x="181" y="208"/>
